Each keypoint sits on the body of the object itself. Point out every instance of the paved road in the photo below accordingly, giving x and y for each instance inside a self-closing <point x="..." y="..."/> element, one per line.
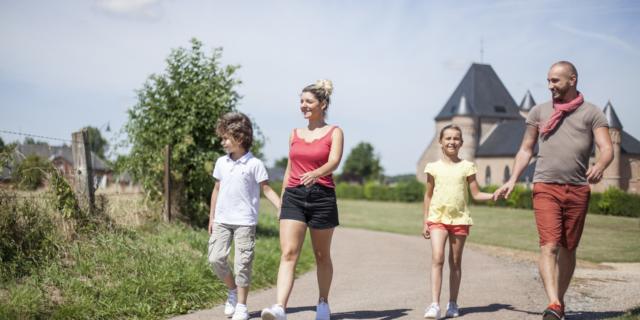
<point x="384" y="276"/>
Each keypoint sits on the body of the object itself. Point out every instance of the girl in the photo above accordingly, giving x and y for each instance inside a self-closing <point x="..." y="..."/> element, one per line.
<point x="446" y="215"/>
<point x="309" y="199"/>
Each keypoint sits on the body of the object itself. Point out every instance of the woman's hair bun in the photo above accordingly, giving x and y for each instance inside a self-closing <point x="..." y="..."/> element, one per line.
<point x="326" y="85"/>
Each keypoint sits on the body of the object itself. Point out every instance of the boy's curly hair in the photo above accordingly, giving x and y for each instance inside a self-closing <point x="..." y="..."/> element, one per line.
<point x="237" y="126"/>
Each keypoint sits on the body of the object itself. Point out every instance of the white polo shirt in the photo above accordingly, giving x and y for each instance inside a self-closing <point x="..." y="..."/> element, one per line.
<point x="239" y="196"/>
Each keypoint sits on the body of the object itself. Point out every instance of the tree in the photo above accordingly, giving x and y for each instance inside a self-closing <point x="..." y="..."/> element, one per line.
<point x="181" y="107"/>
<point x="1" y="144"/>
<point x="362" y="164"/>
<point x="29" y="140"/>
<point x="281" y="163"/>
<point x="97" y="143"/>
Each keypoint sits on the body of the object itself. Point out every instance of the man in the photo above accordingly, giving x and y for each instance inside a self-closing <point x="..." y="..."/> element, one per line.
<point x="565" y="129"/>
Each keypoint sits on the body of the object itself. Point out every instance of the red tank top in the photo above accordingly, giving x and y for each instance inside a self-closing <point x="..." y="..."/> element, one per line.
<point x="308" y="156"/>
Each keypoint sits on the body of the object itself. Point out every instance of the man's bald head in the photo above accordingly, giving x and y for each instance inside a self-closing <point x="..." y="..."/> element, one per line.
<point x="568" y="66"/>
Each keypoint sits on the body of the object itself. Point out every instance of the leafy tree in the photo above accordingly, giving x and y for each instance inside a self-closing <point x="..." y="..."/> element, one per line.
<point x="29" y="140"/>
<point x="97" y="143"/>
<point x="281" y="163"/>
<point x="1" y="144"/>
<point x="362" y="164"/>
<point x="180" y="107"/>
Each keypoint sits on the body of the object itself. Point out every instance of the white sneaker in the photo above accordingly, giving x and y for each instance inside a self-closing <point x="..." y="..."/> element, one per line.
<point x="241" y="312"/>
<point x="230" y="304"/>
<point x="452" y="310"/>
<point x="322" y="310"/>
<point x="275" y="312"/>
<point x="433" y="312"/>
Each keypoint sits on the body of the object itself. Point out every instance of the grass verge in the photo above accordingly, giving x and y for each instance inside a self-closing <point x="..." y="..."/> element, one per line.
<point x="605" y="238"/>
<point x="149" y="271"/>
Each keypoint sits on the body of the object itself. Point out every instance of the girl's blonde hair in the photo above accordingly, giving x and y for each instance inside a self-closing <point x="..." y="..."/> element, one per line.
<point x="321" y="90"/>
<point x="450" y="126"/>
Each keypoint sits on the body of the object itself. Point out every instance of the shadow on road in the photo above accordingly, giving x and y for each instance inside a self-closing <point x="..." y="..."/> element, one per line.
<point x="592" y="315"/>
<point x="371" y="314"/>
<point x="492" y="308"/>
<point x="365" y="314"/>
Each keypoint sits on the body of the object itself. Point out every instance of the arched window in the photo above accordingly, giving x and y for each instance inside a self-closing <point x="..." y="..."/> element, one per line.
<point x="507" y="174"/>
<point x="487" y="176"/>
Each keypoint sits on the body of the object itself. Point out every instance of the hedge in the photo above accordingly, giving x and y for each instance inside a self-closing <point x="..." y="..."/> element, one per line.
<point x="613" y="201"/>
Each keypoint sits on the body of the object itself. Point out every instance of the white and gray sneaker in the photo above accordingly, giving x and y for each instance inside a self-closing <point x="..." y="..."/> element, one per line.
<point x="230" y="304"/>
<point x="452" y="310"/>
<point x="241" y="312"/>
<point x="275" y="312"/>
<point x="432" y="312"/>
<point x="322" y="310"/>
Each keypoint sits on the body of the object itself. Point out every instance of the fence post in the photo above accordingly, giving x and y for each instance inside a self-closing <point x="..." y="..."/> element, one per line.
<point x="83" y="182"/>
<point x="167" y="183"/>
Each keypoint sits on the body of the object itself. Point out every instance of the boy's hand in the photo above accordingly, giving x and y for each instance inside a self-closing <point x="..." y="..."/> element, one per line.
<point x="210" y="229"/>
<point x="425" y="232"/>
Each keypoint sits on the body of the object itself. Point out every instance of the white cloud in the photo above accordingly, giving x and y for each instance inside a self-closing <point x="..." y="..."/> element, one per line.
<point x="598" y="36"/>
<point x="131" y="8"/>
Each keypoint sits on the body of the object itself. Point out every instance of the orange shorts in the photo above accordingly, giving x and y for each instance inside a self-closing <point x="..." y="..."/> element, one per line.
<point x="454" y="229"/>
<point x="560" y="211"/>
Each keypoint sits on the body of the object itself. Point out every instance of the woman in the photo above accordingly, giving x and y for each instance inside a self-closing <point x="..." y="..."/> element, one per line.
<point x="309" y="199"/>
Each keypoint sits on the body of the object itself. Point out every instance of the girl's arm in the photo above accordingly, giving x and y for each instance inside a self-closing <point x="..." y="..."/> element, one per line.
<point x="335" y="155"/>
<point x="475" y="190"/>
<point x="428" y="193"/>
<point x="214" y="199"/>
<point x="271" y="195"/>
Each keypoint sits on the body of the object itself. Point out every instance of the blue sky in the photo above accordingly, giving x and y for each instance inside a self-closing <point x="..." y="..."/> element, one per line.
<point x="68" y="64"/>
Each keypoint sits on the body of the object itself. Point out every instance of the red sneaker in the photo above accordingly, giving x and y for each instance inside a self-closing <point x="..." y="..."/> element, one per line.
<point x="553" y="311"/>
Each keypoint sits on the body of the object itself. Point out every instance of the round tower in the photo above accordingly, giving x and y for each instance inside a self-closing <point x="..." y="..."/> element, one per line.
<point x="611" y="176"/>
<point x="465" y="119"/>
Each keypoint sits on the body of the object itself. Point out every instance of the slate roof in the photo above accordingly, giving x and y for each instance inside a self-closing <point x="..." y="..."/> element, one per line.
<point x="527" y="102"/>
<point x="612" y="117"/>
<point x="505" y="140"/>
<point x="484" y="93"/>
<point x="629" y="144"/>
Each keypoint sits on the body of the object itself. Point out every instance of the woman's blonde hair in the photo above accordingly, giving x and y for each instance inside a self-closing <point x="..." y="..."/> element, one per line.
<point x="321" y="90"/>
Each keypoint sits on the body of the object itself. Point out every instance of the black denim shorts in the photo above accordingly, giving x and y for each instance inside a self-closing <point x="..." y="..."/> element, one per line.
<point x="315" y="205"/>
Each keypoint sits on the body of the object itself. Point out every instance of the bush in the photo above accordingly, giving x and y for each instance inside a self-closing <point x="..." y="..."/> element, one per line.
<point x="409" y="191"/>
<point x="29" y="174"/>
<point x="615" y="202"/>
<point x="27" y="236"/>
<point x="346" y="190"/>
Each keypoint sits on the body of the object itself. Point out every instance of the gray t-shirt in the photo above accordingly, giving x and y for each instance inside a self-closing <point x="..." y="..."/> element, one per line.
<point x="563" y="157"/>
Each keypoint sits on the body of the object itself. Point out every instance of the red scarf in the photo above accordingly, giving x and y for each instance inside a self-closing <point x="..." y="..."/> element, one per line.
<point x="561" y="110"/>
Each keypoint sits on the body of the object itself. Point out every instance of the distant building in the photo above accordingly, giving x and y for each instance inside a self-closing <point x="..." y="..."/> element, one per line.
<point x="62" y="159"/>
<point x="493" y="126"/>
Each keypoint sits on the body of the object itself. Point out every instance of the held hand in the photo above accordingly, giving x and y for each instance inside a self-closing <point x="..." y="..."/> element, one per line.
<point x="594" y="174"/>
<point x="504" y="191"/>
<point x="425" y="232"/>
<point x="210" y="229"/>
<point x="308" y="178"/>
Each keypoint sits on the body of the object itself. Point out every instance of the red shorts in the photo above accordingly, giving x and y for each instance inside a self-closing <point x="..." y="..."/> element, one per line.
<point x="454" y="229"/>
<point x="560" y="211"/>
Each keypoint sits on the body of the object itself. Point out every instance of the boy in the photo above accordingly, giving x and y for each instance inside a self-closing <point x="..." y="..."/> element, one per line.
<point x="234" y="209"/>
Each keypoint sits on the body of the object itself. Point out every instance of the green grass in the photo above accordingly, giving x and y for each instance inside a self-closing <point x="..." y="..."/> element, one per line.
<point x="150" y="271"/>
<point x="605" y="238"/>
<point x="633" y="314"/>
